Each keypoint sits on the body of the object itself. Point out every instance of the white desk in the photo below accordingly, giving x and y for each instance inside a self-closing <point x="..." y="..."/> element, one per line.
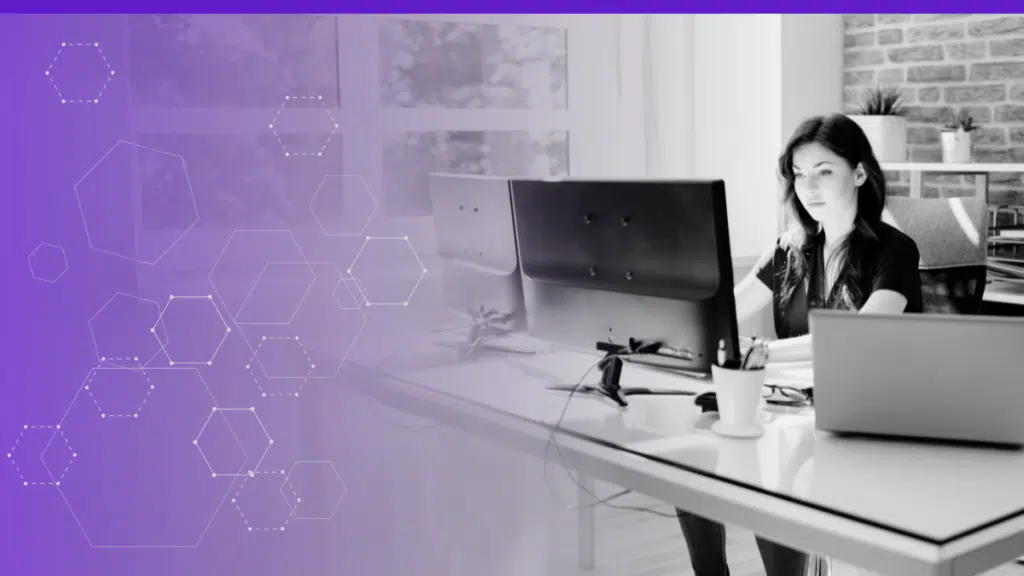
<point x="894" y="508"/>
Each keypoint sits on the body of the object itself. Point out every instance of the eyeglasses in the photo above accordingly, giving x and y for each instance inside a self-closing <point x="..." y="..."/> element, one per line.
<point x="787" y="395"/>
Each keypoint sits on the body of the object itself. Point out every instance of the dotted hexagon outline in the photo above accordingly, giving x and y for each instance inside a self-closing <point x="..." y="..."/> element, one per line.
<point x="341" y="363"/>
<point x="63" y="46"/>
<point x="71" y="509"/>
<point x="280" y="109"/>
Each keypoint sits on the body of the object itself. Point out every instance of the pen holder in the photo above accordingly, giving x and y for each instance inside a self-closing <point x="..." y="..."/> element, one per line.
<point x="739" y="395"/>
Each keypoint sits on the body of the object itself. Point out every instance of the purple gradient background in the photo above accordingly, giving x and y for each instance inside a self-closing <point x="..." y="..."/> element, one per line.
<point x="135" y="495"/>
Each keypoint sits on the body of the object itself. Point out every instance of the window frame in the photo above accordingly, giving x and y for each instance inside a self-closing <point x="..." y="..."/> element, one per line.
<point x="601" y="118"/>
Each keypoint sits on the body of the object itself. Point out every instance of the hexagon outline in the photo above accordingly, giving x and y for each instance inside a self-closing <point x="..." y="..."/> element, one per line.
<point x="96" y="345"/>
<point x="343" y="284"/>
<point x="173" y="362"/>
<point x="330" y="135"/>
<point x="362" y="290"/>
<point x="238" y="443"/>
<point x="312" y="282"/>
<point x="369" y="217"/>
<point x="270" y="441"/>
<point x="344" y="357"/>
<point x="191" y="194"/>
<point x="287" y="482"/>
<point x="71" y="509"/>
<point x="56" y="57"/>
<point x="32" y="268"/>
<point x="14" y="449"/>
<point x="238" y="507"/>
<point x="224" y="250"/>
<point x="135" y="414"/>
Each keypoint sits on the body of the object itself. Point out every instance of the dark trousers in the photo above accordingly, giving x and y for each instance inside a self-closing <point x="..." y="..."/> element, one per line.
<point x="706" y="542"/>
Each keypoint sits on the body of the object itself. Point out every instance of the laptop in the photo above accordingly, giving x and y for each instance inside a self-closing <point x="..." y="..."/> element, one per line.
<point x="929" y="376"/>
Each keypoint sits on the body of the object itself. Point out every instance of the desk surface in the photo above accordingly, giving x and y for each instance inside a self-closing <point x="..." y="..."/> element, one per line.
<point x="933" y="506"/>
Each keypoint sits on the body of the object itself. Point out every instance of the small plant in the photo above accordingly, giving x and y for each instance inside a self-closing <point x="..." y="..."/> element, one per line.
<point x="963" y="122"/>
<point x="882" y="101"/>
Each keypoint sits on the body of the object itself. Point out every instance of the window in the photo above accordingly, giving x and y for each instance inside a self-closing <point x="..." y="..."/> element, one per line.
<point x="390" y="98"/>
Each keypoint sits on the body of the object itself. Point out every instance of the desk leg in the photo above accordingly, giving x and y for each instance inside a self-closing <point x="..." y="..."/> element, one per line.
<point x="587" y="524"/>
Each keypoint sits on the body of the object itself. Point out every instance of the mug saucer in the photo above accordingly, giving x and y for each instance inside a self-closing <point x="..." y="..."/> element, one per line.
<point x="754" y="430"/>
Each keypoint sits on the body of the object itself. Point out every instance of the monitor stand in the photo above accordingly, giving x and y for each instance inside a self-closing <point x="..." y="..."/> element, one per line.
<point x="611" y="371"/>
<point x="486" y="325"/>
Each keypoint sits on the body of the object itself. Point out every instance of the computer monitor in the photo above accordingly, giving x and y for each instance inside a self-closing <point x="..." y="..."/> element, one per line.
<point x="476" y="243"/>
<point x="608" y="261"/>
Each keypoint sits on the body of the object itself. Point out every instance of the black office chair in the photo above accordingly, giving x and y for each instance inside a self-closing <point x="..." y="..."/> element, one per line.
<point x="952" y="236"/>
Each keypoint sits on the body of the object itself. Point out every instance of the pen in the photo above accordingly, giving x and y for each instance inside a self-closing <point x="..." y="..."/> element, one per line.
<point x="746" y="357"/>
<point x="721" y="353"/>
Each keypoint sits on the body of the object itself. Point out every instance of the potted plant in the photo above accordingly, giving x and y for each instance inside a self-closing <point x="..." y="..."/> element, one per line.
<point x="881" y="117"/>
<point x="958" y="139"/>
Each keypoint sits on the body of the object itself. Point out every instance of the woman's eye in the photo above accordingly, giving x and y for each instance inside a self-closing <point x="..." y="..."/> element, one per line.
<point x="826" y="172"/>
<point x="799" y="176"/>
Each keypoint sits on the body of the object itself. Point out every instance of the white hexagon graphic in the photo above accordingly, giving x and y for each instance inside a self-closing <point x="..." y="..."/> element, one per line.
<point x="119" y="393"/>
<point x="259" y="504"/>
<point x="48" y="262"/>
<point x="288" y="106"/>
<point x="121" y="331"/>
<point x="262" y="277"/>
<point x="309" y="501"/>
<point x="185" y="343"/>
<point x="313" y="346"/>
<point x="214" y="455"/>
<point x="387" y="271"/>
<point x="138" y="482"/>
<point x="343" y="205"/>
<point x="130" y="174"/>
<point x="251" y="435"/>
<point x="80" y="73"/>
<point x="27" y="455"/>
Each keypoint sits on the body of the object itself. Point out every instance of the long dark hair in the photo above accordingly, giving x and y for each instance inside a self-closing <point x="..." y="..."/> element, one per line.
<point x="854" y="254"/>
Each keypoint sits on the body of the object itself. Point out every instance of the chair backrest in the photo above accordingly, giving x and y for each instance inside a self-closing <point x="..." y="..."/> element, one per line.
<point x="952" y="236"/>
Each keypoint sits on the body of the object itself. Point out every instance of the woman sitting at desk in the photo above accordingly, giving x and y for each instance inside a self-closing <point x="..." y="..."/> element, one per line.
<point x="839" y="255"/>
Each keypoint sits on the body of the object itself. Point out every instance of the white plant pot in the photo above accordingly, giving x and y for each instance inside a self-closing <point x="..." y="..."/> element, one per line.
<point x="957" y="146"/>
<point x="887" y="135"/>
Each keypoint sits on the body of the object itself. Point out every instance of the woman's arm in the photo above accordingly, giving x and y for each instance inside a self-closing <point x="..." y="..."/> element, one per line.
<point x="751" y="297"/>
<point x="798" y="349"/>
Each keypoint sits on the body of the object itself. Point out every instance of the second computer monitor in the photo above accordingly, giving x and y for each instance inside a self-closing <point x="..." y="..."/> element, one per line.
<point x="477" y="246"/>
<point x="606" y="261"/>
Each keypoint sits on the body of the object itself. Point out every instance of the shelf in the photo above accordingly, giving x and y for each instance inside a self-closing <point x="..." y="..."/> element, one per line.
<point x="968" y="168"/>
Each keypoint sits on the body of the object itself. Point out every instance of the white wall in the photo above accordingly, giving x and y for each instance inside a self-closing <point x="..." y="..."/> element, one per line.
<point x="724" y="93"/>
<point x="812" y="66"/>
<point x="737" y="98"/>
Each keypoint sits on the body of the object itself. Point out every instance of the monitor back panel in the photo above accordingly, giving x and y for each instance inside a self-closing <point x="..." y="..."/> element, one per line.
<point x="607" y="261"/>
<point x="933" y="376"/>
<point x="476" y="243"/>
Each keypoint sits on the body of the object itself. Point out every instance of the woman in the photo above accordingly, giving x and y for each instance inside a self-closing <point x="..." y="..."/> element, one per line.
<point x="838" y="255"/>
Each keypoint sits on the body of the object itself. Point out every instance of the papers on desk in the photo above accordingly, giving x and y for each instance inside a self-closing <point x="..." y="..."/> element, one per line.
<point x="795" y="374"/>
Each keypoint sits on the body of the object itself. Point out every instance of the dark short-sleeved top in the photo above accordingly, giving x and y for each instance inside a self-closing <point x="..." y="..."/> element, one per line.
<point x="893" y="265"/>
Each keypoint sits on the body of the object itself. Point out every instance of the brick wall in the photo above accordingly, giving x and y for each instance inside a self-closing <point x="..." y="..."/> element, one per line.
<point x="945" y="62"/>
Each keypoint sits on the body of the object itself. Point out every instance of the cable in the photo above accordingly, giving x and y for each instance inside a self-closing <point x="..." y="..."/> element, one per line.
<point x="551" y="441"/>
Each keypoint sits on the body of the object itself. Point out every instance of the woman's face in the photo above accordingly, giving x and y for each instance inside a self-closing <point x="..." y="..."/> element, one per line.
<point x="824" y="182"/>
